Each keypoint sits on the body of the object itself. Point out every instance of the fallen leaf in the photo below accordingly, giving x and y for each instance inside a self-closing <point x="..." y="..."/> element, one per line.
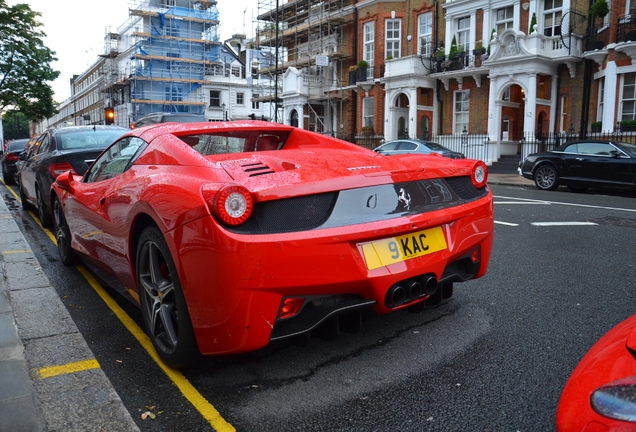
<point x="119" y="361"/>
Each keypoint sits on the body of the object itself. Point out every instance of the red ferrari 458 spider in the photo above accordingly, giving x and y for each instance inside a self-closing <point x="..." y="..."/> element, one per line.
<point x="232" y="235"/>
<point x="600" y="395"/>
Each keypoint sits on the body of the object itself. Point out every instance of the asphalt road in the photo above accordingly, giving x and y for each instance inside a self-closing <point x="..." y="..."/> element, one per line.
<point x="494" y="357"/>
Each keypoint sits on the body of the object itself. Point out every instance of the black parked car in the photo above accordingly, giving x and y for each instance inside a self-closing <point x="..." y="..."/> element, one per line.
<point x="584" y="164"/>
<point x="57" y="151"/>
<point x="407" y="146"/>
<point x="10" y="156"/>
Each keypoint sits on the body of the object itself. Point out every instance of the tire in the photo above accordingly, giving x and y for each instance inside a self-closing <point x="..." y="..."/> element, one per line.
<point x="8" y="179"/>
<point x="546" y="177"/>
<point x="23" y="198"/>
<point x="163" y="305"/>
<point x="63" y="235"/>
<point x="45" y="217"/>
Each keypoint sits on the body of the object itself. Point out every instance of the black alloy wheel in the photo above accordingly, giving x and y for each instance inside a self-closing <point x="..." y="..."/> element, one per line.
<point x="63" y="235"/>
<point x="23" y="198"/>
<point x="163" y="305"/>
<point x="43" y="215"/>
<point x="546" y="177"/>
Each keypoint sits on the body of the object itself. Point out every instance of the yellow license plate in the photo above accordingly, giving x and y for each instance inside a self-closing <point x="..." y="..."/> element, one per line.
<point x="387" y="251"/>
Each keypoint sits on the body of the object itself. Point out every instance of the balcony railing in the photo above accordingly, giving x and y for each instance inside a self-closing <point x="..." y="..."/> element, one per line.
<point x="596" y="37"/>
<point x="626" y="29"/>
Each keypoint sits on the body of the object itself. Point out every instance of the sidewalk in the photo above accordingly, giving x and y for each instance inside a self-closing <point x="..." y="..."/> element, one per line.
<point x="509" y="180"/>
<point x="49" y="378"/>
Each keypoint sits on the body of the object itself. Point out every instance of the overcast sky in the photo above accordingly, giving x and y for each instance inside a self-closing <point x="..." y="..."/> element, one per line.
<point x="75" y="30"/>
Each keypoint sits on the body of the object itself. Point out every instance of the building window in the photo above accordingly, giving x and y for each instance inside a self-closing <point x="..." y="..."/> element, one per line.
<point x="552" y="13"/>
<point x="367" y="112"/>
<point x="393" y="39"/>
<point x="255" y="103"/>
<point x="628" y="110"/>
<point x="460" y="111"/>
<point x="236" y="71"/>
<point x="215" y="98"/>
<point x="504" y="18"/>
<point x="240" y="98"/>
<point x="425" y="31"/>
<point x="368" y="46"/>
<point x="601" y="96"/>
<point x="463" y="34"/>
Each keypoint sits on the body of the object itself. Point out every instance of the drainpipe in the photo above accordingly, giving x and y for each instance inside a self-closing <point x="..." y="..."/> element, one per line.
<point x="440" y="101"/>
<point x="354" y="108"/>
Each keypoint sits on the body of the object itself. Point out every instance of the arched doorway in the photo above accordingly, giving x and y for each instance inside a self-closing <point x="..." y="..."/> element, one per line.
<point x="293" y="118"/>
<point x="401" y="113"/>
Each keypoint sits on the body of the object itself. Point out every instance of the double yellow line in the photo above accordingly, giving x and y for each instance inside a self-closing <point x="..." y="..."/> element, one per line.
<point x="200" y="403"/>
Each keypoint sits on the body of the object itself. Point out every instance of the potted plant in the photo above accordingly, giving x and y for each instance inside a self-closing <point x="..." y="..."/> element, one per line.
<point x="353" y="74"/>
<point x="533" y="22"/>
<point x="596" y="126"/>
<point x="599" y="9"/>
<point x="628" y="125"/>
<point x="492" y="36"/>
<point x="367" y="130"/>
<point x="362" y="70"/>
<point x="479" y="48"/>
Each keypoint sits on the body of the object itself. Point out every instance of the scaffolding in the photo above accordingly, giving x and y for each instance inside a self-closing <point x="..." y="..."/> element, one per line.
<point x="315" y="38"/>
<point x="157" y="60"/>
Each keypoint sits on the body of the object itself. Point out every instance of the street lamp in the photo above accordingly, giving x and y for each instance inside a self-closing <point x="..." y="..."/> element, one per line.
<point x="224" y="112"/>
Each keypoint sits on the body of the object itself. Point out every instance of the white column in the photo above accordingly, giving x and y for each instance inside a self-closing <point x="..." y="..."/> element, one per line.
<point x="531" y="105"/>
<point x="412" y="120"/>
<point x="389" y="123"/>
<point x="612" y="92"/>
<point x="494" y="112"/>
<point x="553" y="102"/>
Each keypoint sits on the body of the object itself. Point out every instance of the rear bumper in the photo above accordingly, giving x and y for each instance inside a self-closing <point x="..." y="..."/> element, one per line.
<point x="235" y="283"/>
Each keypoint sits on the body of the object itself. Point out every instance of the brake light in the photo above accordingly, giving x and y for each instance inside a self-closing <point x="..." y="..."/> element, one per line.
<point x="291" y="306"/>
<point x="233" y="204"/>
<point x="55" y="169"/>
<point x="12" y="157"/>
<point x="479" y="175"/>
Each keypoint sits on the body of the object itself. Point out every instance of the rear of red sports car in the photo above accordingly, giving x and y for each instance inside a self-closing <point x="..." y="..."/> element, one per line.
<point x="275" y="230"/>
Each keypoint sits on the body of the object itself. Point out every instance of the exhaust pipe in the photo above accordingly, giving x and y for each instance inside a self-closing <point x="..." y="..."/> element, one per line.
<point x="414" y="289"/>
<point x="395" y="296"/>
<point x="429" y="284"/>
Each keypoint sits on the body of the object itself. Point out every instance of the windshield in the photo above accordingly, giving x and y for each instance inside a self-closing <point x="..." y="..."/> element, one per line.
<point x="236" y="141"/>
<point x="17" y="145"/>
<point x="88" y="139"/>
<point x="629" y="147"/>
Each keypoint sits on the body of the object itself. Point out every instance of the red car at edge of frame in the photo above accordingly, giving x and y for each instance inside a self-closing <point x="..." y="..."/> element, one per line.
<point x="600" y="395"/>
<point x="230" y="235"/>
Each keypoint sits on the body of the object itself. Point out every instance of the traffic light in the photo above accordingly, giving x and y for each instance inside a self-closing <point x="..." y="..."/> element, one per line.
<point x="109" y="115"/>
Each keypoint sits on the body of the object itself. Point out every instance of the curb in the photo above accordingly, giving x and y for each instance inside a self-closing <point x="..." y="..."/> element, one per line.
<point x="49" y="377"/>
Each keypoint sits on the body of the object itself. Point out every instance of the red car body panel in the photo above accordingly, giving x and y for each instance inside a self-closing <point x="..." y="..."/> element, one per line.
<point x="607" y="361"/>
<point x="233" y="282"/>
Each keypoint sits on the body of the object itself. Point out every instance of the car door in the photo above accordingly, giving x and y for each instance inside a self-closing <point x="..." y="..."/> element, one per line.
<point x="34" y="163"/>
<point x="603" y="167"/>
<point x="114" y="200"/>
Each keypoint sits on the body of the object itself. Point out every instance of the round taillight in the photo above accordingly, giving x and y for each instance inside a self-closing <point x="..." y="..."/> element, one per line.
<point x="479" y="175"/>
<point x="233" y="204"/>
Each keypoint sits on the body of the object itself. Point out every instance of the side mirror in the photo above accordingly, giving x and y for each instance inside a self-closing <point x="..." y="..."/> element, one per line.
<point x="615" y="154"/>
<point x="23" y="156"/>
<point x="65" y="181"/>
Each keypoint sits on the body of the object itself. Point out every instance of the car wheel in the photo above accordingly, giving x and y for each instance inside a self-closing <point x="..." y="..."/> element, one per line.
<point x="578" y="188"/>
<point x="163" y="305"/>
<point x="8" y="179"/>
<point x="23" y="198"/>
<point x="546" y="177"/>
<point x="63" y="235"/>
<point x="45" y="217"/>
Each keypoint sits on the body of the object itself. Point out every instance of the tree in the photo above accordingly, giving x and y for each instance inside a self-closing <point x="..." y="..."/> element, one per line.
<point x="15" y="125"/>
<point x="25" y="63"/>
